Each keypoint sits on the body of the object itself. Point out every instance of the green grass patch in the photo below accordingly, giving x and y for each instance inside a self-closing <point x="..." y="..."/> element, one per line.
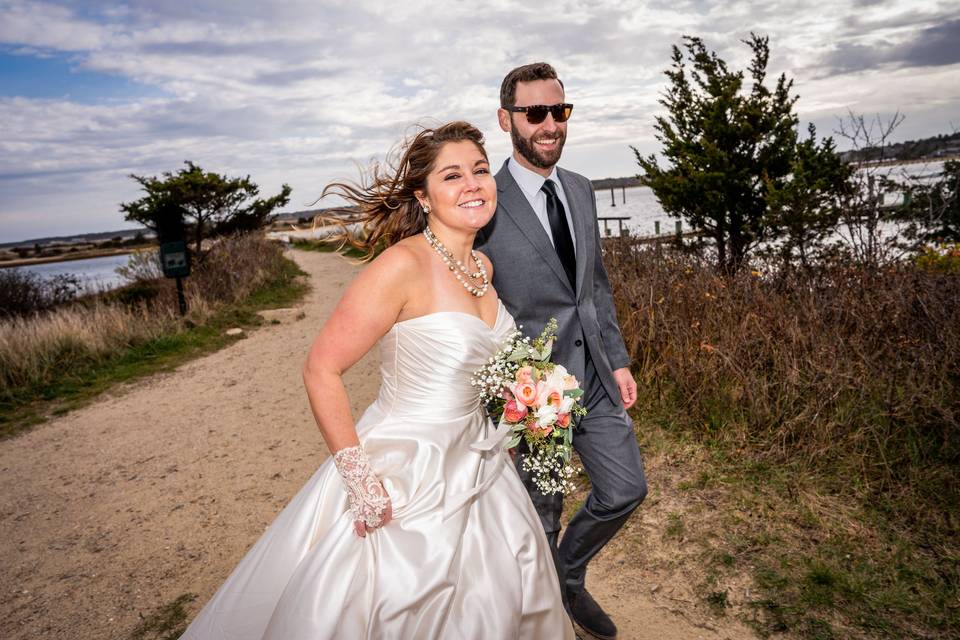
<point x="83" y="378"/>
<point x="166" y="623"/>
<point x="675" y="526"/>
<point x="717" y="600"/>
<point x="821" y="563"/>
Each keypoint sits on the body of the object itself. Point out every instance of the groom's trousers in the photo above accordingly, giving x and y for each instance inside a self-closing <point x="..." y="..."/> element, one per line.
<point x="607" y="446"/>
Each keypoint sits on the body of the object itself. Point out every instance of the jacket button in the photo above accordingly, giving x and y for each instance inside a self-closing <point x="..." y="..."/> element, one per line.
<point x="578" y="343"/>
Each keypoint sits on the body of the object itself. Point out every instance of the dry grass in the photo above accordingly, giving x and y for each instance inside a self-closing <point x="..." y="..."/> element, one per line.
<point x="95" y="341"/>
<point x="806" y="425"/>
<point x="228" y="272"/>
<point x="35" y="350"/>
<point x="843" y="368"/>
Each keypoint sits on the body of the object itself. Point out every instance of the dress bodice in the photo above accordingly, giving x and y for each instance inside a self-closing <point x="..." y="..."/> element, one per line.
<point x="427" y="362"/>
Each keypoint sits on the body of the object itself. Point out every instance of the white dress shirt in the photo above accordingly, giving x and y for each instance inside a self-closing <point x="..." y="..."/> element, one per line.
<point x="530" y="184"/>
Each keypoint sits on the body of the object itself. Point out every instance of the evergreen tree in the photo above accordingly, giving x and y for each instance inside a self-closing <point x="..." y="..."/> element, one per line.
<point x="805" y="207"/>
<point x="726" y="145"/>
<point x="211" y="204"/>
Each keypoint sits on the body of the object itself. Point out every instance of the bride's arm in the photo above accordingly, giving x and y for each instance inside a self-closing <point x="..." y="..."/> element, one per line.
<point x="367" y="310"/>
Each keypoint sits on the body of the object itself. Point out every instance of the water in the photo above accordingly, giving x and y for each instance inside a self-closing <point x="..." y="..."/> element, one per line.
<point x="642" y="209"/>
<point x="95" y="274"/>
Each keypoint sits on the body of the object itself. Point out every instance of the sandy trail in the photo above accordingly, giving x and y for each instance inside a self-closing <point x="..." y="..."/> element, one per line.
<point x="159" y="488"/>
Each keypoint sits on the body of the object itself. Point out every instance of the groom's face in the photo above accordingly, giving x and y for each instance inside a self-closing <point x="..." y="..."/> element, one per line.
<point x="537" y="146"/>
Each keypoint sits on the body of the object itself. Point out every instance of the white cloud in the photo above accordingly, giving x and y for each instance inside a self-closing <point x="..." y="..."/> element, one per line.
<point x="296" y="91"/>
<point x="46" y="25"/>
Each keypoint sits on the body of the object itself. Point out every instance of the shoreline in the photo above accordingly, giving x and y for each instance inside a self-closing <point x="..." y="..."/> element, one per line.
<point x="72" y="256"/>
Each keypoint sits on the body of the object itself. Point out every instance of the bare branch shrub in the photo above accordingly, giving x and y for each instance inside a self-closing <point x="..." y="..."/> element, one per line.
<point x="845" y="369"/>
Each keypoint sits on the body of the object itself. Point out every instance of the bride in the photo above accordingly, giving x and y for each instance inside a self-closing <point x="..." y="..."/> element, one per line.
<point x="418" y="526"/>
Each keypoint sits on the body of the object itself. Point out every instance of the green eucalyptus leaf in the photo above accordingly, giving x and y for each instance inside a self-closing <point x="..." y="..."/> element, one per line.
<point x="547" y="350"/>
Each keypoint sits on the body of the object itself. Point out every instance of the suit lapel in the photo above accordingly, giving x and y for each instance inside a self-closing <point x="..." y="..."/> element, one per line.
<point x="579" y="206"/>
<point x="511" y="201"/>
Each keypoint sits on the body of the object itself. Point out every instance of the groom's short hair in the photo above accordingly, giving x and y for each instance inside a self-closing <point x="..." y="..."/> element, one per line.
<point x="526" y="73"/>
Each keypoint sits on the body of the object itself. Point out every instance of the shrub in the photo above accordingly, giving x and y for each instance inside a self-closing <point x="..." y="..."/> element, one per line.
<point x="849" y="371"/>
<point x="142" y="266"/>
<point x="23" y="293"/>
<point x="943" y="259"/>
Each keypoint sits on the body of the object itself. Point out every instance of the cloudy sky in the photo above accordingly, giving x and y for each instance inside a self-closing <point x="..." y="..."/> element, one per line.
<point x="300" y="91"/>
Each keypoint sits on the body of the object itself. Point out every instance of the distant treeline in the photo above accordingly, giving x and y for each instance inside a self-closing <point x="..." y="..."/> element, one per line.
<point x="943" y="145"/>
<point x="122" y="234"/>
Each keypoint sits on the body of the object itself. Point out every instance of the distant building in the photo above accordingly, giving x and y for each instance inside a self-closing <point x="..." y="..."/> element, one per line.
<point x="947" y="151"/>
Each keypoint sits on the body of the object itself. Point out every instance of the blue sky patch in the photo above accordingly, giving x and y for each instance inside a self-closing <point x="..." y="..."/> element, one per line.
<point x="59" y="76"/>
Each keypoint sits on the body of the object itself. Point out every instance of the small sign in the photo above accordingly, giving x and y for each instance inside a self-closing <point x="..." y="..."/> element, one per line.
<point x="175" y="259"/>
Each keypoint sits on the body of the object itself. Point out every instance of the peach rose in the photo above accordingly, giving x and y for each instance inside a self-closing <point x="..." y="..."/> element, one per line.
<point x="514" y="412"/>
<point x="525" y="393"/>
<point x="548" y="394"/>
<point x="563" y="420"/>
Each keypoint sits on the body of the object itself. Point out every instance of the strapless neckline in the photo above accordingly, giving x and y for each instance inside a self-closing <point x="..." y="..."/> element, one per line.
<point x="496" y="320"/>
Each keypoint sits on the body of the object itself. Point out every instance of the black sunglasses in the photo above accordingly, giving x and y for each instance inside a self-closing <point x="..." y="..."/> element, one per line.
<point x="537" y="113"/>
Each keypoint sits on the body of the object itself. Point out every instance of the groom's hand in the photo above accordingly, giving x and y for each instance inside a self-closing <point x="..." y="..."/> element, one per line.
<point x="628" y="386"/>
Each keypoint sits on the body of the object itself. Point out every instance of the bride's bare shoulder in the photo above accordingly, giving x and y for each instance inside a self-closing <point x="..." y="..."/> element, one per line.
<point x="398" y="264"/>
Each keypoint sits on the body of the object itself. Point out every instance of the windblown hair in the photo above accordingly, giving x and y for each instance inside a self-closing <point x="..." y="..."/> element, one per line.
<point x="526" y="73"/>
<point x="384" y="204"/>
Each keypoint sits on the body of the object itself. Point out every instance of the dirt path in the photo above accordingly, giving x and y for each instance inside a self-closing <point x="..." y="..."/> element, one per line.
<point x="158" y="489"/>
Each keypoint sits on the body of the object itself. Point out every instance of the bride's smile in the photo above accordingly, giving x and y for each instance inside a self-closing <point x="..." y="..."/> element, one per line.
<point x="461" y="193"/>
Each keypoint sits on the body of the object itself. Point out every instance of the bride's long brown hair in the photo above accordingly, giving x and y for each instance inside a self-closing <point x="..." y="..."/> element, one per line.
<point x="385" y="196"/>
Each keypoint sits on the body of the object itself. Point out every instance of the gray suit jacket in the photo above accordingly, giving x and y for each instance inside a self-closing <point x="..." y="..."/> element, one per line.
<point x="531" y="282"/>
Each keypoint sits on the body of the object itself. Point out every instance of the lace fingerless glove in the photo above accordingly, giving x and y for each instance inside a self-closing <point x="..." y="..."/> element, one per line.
<point x="368" y="499"/>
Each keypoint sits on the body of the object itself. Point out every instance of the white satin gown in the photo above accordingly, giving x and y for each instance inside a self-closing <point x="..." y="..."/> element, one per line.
<point x="465" y="556"/>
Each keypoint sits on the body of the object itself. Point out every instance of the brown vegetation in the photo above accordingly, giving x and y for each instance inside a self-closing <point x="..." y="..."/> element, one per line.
<point x="817" y="387"/>
<point x="53" y="353"/>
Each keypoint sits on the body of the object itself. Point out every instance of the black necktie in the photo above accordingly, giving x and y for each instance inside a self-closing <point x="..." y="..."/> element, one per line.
<point x="562" y="241"/>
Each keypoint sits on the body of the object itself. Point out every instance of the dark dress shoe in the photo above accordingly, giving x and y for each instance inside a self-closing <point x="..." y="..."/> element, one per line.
<point x="590" y="617"/>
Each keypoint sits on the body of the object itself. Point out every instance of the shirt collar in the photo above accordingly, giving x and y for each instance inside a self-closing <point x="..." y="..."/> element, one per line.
<point x="529" y="181"/>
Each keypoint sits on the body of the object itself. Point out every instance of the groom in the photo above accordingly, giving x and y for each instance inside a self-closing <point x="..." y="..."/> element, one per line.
<point x="545" y="246"/>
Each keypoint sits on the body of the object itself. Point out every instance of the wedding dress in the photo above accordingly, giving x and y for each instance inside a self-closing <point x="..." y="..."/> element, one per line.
<point x="465" y="555"/>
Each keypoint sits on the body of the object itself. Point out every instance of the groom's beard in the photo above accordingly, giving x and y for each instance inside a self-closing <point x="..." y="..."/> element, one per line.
<point x="536" y="157"/>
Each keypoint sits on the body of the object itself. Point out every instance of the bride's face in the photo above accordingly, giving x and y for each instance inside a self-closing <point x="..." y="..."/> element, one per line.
<point x="461" y="192"/>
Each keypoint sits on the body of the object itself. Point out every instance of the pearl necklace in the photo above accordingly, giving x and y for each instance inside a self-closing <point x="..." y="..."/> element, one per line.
<point x="458" y="268"/>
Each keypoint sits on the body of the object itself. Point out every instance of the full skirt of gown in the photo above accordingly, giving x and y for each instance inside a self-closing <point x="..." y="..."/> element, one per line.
<point x="465" y="556"/>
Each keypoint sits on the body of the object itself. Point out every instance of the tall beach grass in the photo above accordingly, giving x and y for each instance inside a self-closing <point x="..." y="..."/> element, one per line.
<point x="53" y="354"/>
<point x="825" y="405"/>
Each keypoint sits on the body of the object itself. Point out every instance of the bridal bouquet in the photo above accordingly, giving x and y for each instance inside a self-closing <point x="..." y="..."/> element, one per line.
<point x="537" y="401"/>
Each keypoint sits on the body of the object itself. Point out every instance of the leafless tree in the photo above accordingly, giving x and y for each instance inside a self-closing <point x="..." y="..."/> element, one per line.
<point x="864" y="215"/>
